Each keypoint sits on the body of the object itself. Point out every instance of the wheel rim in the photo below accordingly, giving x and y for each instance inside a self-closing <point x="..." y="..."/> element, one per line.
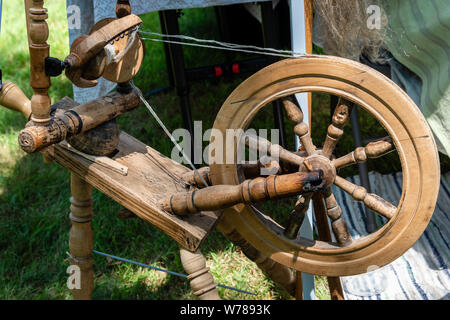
<point x="401" y="119"/>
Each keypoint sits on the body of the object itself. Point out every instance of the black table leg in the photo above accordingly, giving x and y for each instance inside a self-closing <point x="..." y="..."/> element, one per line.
<point x="170" y="22"/>
<point x="271" y="35"/>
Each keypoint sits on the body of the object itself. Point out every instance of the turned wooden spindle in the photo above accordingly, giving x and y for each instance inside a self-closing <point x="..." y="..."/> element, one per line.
<point x="371" y="150"/>
<point x="338" y="225"/>
<point x="250" y="191"/>
<point x="301" y="129"/>
<point x="13" y="98"/>
<point x="371" y="200"/>
<point x="335" y="129"/>
<point x="201" y="281"/>
<point x="39" y="51"/>
<point x="81" y="239"/>
<point x="276" y="151"/>
<point x="79" y="119"/>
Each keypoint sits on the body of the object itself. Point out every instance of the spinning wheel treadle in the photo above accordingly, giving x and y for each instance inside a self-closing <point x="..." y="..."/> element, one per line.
<point x="409" y="135"/>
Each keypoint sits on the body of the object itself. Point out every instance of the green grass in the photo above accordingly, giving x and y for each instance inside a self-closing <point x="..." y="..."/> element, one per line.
<point x="34" y="206"/>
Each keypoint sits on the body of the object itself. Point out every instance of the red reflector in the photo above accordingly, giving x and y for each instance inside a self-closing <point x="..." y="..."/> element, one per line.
<point x="235" y="68"/>
<point x="218" y="71"/>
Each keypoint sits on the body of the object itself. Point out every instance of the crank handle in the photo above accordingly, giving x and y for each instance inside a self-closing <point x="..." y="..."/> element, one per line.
<point x="248" y="192"/>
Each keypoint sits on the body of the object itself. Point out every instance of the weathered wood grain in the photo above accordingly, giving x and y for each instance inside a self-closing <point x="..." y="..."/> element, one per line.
<point x="151" y="176"/>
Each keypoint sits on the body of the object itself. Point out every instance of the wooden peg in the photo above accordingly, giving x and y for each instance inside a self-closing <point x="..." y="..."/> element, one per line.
<point x="202" y="282"/>
<point x="123" y="8"/>
<point x="250" y="191"/>
<point x="13" y="98"/>
<point x="81" y="240"/>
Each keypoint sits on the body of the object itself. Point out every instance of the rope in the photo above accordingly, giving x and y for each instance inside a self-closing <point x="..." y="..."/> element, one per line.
<point x="164" y="270"/>
<point x="221" y="45"/>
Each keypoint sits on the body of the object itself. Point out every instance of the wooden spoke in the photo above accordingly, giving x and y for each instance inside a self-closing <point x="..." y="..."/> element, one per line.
<point x="263" y="167"/>
<point x="338" y="224"/>
<point x="297" y="216"/>
<point x="198" y="178"/>
<point x="371" y="150"/>
<point x="276" y="151"/>
<point x="335" y="130"/>
<point x="372" y="201"/>
<point x="301" y="129"/>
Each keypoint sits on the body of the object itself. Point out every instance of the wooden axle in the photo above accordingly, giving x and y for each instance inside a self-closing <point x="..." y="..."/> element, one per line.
<point x="77" y="120"/>
<point x="250" y="191"/>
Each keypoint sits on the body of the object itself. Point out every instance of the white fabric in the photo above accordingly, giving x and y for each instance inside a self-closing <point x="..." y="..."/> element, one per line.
<point x="422" y="273"/>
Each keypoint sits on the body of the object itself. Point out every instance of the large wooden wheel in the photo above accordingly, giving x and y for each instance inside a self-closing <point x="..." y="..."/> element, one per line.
<point x="409" y="136"/>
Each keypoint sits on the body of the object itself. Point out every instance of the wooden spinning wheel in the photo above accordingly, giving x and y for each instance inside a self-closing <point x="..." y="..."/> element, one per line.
<point x="409" y="135"/>
<point x="186" y="205"/>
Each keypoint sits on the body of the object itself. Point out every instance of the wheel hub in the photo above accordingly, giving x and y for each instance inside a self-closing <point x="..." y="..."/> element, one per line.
<point x="320" y="162"/>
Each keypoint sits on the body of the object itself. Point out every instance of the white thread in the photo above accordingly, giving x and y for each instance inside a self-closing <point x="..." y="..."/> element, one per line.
<point x="139" y="93"/>
<point x="111" y="56"/>
<point x="220" y="43"/>
<point x="223" y="45"/>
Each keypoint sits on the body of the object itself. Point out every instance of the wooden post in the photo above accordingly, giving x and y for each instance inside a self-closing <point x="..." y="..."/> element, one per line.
<point x="334" y="283"/>
<point x="309" y="14"/>
<point x="81" y="238"/>
<point x="202" y="282"/>
<point x="39" y="51"/>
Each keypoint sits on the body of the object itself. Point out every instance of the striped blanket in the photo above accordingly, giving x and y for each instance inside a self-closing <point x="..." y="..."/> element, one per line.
<point x="422" y="273"/>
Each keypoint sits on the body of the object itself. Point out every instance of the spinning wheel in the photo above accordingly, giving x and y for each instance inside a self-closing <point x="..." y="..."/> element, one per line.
<point x="409" y="135"/>
<point x="186" y="205"/>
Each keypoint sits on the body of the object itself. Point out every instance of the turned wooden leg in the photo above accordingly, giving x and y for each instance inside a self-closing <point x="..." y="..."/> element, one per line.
<point x="81" y="238"/>
<point x="202" y="282"/>
<point x="334" y="283"/>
